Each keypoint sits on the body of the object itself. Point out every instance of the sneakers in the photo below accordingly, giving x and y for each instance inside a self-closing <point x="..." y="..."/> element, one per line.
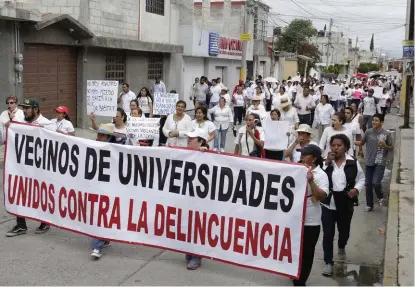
<point x="96" y="254"/>
<point x="368" y="208"/>
<point x="106" y="244"/>
<point x="222" y="150"/>
<point x="341" y="255"/>
<point x="194" y="263"/>
<point x="215" y="149"/>
<point x="381" y="201"/>
<point x="328" y="270"/>
<point x="43" y="227"/>
<point x="16" y="231"/>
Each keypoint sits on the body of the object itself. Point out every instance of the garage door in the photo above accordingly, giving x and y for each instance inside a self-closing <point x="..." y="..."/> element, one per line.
<point x="49" y="75"/>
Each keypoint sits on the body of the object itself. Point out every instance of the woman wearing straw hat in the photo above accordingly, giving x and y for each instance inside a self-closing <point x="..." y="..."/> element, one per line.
<point x="303" y="137"/>
<point x="256" y="107"/>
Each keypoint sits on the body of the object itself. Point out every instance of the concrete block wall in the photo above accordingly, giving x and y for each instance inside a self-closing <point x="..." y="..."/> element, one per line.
<point x="71" y="7"/>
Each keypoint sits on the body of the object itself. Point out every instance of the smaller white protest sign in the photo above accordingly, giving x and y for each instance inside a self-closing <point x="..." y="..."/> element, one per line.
<point x="164" y="103"/>
<point x="333" y="91"/>
<point x="276" y="134"/>
<point x="378" y="92"/>
<point x="102" y="97"/>
<point x="142" y="129"/>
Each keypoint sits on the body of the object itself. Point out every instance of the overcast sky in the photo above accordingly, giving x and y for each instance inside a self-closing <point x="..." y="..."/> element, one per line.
<point x="384" y="18"/>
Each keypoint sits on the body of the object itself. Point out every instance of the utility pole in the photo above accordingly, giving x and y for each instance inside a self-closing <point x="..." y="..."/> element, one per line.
<point x="355" y="55"/>
<point x="408" y="77"/>
<point x="246" y="28"/>
<point x="329" y="44"/>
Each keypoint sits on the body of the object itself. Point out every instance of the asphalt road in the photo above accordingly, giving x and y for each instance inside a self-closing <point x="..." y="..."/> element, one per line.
<point x="60" y="257"/>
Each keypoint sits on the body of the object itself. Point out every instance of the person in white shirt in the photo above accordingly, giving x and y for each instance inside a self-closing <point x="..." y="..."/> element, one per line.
<point x="118" y="122"/>
<point x="201" y="122"/>
<point x="250" y="92"/>
<point x="221" y="85"/>
<point x="322" y="115"/>
<point x="177" y="126"/>
<point x="370" y="106"/>
<point x="239" y="102"/>
<point x="223" y="120"/>
<point x="215" y="89"/>
<point x="32" y="115"/>
<point x="269" y="93"/>
<point x="346" y="180"/>
<point x="125" y="97"/>
<point x="276" y="99"/>
<point x="13" y="113"/>
<point x="318" y="189"/>
<point x="145" y="102"/>
<point x="63" y="122"/>
<point x="158" y="86"/>
<point x="289" y="113"/>
<point x="303" y="137"/>
<point x="304" y="104"/>
<point x="257" y="108"/>
<point x="224" y="94"/>
<point x="250" y="137"/>
<point x="337" y="121"/>
<point x="384" y="101"/>
<point x="134" y="105"/>
<point x="353" y="126"/>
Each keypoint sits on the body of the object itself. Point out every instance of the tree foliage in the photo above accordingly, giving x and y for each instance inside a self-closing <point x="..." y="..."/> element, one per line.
<point x="295" y="39"/>
<point x="368" y="67"/>
<point x="372" y="44"/>
<point x="333" y="69"/>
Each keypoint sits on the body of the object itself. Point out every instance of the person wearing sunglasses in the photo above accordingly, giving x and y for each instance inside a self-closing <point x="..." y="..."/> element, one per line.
<point x="13" y="113"/>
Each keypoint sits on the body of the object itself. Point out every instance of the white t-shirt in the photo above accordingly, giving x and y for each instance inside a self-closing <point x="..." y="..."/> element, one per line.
<point x="126" y="99"/>
<point x="259" y="110"/>
<point x="144" y="103"/>
<point x="239" y="100"/>
<point x="117" y="130"/>
<point x="304" y="102"/>
<point x="313" y="209"/>
<point x="383" y="99"/>
<point x="355" y="128"/>
<point x="323" y="114"/>
<point x="325" y="140"/>
<point x="63" y="126"/>
<point x="215" y="90"/>
<point x="243" y="138"/>
<point x="250" y="91"/>
<point x="44" y="122"/>
<point x="227" y="98"/>
<point x="276" y="101"/>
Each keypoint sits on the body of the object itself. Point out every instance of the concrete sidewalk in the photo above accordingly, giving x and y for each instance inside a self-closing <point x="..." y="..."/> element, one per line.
<point x="399" y="246"/>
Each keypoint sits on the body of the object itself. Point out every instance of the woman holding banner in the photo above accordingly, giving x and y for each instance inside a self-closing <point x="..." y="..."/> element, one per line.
<point x="145" y="102"/>
<point x="63" y="122"/>
<point x="318" y="189"/>
<point x="250" y="138"/>
<point x="201" y="122"/>
<point x="177" y="125"/>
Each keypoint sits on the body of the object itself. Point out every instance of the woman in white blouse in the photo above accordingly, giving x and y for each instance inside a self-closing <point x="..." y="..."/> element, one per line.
<point x="177" y="125"/>
<point x="250" y="137"/>
<point x="384" y="101"/>
<point x="322" y="115"/>
<point x="223" y="119"/>
<point x="63" y="122"/>
<point x="276" y="99"/>
<point x="201" y="122"/>
<point x="224" y="94"/>
<point x="145" y="102"/>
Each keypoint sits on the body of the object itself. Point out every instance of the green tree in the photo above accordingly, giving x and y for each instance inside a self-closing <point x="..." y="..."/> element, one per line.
<point x="372" y="44"/>
<point x="295" y="39"/>
<point x="368" y="67"/>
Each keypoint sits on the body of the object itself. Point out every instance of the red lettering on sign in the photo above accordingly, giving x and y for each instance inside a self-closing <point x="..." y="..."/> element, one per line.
<point x="230" y="46"/>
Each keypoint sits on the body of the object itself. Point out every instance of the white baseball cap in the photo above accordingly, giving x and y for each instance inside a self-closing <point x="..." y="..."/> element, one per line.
<point x="198" y="133"/>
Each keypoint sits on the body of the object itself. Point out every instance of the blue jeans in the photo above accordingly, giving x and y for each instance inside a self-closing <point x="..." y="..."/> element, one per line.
<point x="367" y="122"/>
<point x="374" y="175"/>
<point x="97" y="244"/>
<point x="335" y="105"/>
<point x="220" y="133"/>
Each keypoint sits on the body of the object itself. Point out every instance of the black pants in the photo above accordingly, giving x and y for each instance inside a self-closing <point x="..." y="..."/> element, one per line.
<point x="384" y="110"/>
<point x="343" y="217"/>
<point x="310" y="238"/>
<point x="162" y="137"/>
<point x="274" y="154"/>
<point x="305" y="119"/>
<point x="21" y="222"/>
<point x="237" y="114"/>
<point x="268" y="105"/>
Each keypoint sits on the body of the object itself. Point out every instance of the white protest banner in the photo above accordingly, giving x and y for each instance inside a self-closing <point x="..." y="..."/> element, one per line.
<point x="378" y="92"/>
<point x="276" y="134"/>
<point x="333" y="91"/>
<point x="143" y="129"/>
<point x="102" y="97"/>
<point x="164" y="103"/>
<point x="235" y="209"/>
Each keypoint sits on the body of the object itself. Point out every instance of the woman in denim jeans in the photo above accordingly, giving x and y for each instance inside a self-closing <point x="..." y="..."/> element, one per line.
<point x="223" y="119"/>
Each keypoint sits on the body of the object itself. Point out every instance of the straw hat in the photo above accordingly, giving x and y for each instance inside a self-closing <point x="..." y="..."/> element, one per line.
<point x="285" y="101"/>
<point x="304" y="128"/>
<point x="106" y="129"/>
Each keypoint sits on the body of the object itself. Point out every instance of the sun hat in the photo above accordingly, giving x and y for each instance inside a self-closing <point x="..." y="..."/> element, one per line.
<point x="304" y="128"/>
<point x="198" y="133"/>
<point x="105" y="129"/>
<point x="62" y="109"/>
<point x="285" y="101"/>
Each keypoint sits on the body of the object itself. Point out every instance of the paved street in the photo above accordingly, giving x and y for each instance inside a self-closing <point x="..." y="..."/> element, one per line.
<point x="63" y="258"/>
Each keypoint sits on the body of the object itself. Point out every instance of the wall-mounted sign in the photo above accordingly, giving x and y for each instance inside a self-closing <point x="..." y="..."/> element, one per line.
<point x="228" y="46"/>
<point x="213" y="44"/>
<point x="408" y="49"/>
<point x="245" y="37"/>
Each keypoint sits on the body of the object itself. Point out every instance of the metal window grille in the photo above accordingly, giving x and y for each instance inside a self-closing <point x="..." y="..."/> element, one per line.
<point x="155" y="66"/>
<point x="115" y="66"/>
<point x="155" y="7"/>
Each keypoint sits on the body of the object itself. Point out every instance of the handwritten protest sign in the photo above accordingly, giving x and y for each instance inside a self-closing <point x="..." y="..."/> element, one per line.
<point x="164" y="103"/>
<point x="143" y="129"/>
<point x="238" y="210"/>
<point x="333" y="91"/>
<point x="276" y="134"/>
<point x="102" y="97"/>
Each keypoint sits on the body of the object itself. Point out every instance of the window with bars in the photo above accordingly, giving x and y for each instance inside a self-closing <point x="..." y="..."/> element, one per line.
<point x="155" y="65"/>
<point x="155" y="7"/>
<point x="115" y="66"/>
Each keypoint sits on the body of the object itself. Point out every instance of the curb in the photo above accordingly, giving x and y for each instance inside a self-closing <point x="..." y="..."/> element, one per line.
<point x="390" y="265"/>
